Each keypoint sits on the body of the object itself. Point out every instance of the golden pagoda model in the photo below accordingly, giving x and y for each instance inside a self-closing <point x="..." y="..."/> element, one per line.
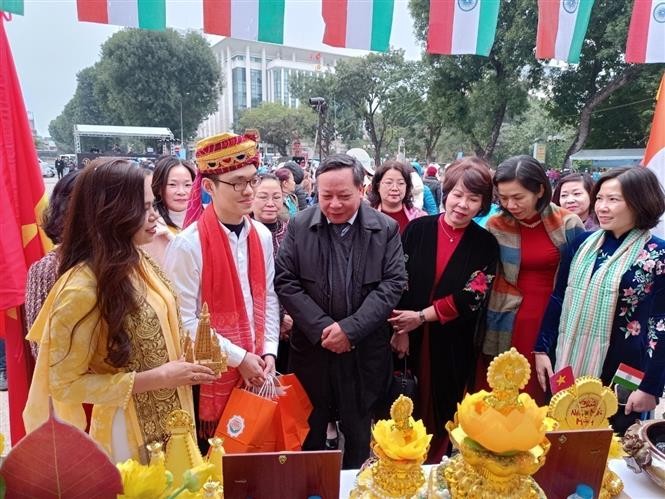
<point x="205" y="350"/>
<point x="500" y="436"/>
<point x="400" y="446"/>
<point x="585" y="405"/>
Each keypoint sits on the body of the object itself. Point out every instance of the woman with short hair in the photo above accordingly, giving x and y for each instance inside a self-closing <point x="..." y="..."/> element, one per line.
<point x="608" y="306"/>
<point x="391" y="193"/>
<point x="573" y="192"/>
<point x="288" y="185"/>
<point x="531" y="232"/>
<point x="451" y="262"/>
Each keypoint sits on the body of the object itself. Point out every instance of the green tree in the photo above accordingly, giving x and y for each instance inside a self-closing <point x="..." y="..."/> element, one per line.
<point x="279" y="125"/>
<point x="477" y="94"/>
<point x="535" y="125"/>
<point x="145" y="78"/>
<point x="380" y="90"/>
<point x="578" y="91"/>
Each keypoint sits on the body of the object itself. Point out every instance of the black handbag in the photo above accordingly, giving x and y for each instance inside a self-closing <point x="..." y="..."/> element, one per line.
<point x="403" y="383"/>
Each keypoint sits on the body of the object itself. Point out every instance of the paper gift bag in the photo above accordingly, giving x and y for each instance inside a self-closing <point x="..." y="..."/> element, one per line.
<point x="294" y="410"/>
<point x="246" y="422"/>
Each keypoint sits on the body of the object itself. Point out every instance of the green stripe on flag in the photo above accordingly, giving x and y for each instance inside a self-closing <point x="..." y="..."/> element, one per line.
<point x="581" y="24"/>
<point x="271" y="21"/>
<point x="625" y="383"/>
<point x="489" y="13"/>
<point x="13" y="6"/>
<point x="152" y="14"/>
<point x="382" y="24"/>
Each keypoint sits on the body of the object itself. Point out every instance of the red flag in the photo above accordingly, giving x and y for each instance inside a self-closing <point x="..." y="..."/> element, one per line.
<point x="654" y="156"/>
<point x="22" y="242"/>
<point x="562" y="379"/>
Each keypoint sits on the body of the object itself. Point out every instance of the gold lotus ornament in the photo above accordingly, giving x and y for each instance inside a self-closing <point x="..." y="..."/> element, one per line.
<point x="400" y="445"/>
<point x="500" y="436"/>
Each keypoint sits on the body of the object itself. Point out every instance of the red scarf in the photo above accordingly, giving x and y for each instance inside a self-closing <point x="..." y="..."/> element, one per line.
<point x="222" y="292"/>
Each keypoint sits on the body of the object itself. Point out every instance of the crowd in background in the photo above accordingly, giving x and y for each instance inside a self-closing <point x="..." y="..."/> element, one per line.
<point x="337" y="275"/>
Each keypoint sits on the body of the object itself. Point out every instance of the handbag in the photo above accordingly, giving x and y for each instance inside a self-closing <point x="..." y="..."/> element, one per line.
<point x="404" y="382"/>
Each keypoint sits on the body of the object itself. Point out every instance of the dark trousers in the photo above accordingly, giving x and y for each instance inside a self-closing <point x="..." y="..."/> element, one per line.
<point x="335" y="398"/>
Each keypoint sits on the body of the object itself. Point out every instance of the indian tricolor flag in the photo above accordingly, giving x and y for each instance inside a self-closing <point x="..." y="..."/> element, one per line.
<point x="13" y="6"/>
<point x="462" y="26"/>
<point x="628" y="377"/>
<point x="258" y="20"/>
<point x="358" y="24"/>
<point x="654" y="156"/>
<point x="562" y="26"/>
<point x="646" y="33"/>
<point x="147" y="14"/>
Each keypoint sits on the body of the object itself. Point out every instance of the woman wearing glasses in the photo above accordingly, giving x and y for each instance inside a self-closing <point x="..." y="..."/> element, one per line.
<point x="225" y="259"/>
<point x="267" y="209"/>
<point x="391" y="193"/>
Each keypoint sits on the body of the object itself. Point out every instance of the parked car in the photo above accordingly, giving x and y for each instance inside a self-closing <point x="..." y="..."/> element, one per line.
<point x="47" y="170"/>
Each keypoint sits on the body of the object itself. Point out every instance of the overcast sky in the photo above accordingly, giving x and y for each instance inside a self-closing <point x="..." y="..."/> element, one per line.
<point x="50" y="46"/>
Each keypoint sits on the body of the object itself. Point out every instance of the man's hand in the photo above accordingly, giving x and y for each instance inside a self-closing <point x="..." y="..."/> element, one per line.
<point x="269" y="370"/>
<point x="335" y="340"/>
<point x="251" y="369"/>
<point x="285" y="327"/>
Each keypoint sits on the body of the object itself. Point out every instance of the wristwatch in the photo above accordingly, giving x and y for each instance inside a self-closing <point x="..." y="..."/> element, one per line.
<point x="421" y="315"/>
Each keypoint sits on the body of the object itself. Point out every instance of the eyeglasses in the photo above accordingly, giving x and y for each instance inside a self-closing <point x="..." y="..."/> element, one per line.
<point x="241" y="185"/>
<point x="389" y="184"/>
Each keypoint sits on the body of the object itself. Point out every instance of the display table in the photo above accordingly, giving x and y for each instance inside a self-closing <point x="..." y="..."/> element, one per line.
<point x="636" y="486"/>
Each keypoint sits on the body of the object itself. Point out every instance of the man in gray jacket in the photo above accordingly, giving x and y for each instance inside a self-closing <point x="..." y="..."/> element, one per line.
<point x="339" y="274"/>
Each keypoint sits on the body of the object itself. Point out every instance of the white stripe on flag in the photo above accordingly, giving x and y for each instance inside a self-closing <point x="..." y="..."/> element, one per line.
<point x="184" y="14"/>
<point x="465" y="30"/>
<point x="565" y="31"/>
<point x="656" y="37"/>
<point x="657" y="165"/>
<point x="359" y="23"/>
<point x="245" y="19"/>
<point x="629" y="377"/>
<point x="124" y="12"/>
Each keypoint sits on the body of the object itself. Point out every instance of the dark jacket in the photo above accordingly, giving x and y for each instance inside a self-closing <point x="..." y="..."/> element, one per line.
<point x="378" y="280"/>
<point x="467" y="280"/>
<point x="302" y="197"/>
<point x="434" y="186"/>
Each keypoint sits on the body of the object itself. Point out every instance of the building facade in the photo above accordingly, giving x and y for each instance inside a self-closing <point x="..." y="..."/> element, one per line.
<point x="256" y="72"/>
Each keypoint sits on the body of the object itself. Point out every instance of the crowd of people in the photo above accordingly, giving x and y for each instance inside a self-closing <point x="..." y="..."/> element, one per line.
<point x="338" y="276"/>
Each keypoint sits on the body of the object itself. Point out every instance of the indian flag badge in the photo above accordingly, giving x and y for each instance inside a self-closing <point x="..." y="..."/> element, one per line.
<point x="628" y="377"/>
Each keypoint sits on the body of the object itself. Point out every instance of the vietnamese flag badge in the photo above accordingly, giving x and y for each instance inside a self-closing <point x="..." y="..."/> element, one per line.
<point x="562" y="379"/>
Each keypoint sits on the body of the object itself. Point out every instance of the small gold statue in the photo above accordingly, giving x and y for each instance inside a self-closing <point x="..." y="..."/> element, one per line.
<point x="501" y="438"/>
<point x="400" y="446"/>
<point x="205" y="349"/>
<point x="587" y="404"/>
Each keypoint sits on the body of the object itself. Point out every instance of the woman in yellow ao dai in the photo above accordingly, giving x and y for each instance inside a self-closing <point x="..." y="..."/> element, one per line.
<point x="110" y="330"/>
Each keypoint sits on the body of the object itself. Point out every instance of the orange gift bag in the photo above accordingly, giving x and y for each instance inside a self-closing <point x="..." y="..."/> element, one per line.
<point x="292" y="414"/>
<point x="246" y="424"/>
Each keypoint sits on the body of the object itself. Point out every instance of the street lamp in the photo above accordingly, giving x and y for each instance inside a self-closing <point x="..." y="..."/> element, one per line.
<point x="182" y="139"/>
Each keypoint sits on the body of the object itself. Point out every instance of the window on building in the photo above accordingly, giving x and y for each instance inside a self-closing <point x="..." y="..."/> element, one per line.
<point x="239" y="89"/>
<point x="287" y="93"/>
<point x="238" y="58"/>
<point x="257" y="92"/>
<point x="277" y="84"/>
<point x="255" y="59"/>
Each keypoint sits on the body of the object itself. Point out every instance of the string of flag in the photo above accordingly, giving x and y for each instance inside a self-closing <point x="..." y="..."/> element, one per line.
<point x="456" y="27"/>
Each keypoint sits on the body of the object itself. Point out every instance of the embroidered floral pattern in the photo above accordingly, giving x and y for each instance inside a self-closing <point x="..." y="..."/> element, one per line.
<point x="478" y="284"/>
<point x="652" y="334"/>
